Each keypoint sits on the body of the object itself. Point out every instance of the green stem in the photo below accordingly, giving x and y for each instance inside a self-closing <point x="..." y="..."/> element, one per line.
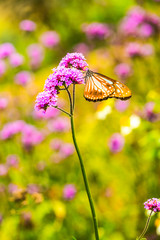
<point x="85" y="181"/>
<point x="146" y="226"/>
<point x="60" y="109"/>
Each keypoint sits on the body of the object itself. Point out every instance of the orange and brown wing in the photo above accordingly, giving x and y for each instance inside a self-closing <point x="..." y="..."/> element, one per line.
<point x="97" y="88"/>
<point x="121" y="91"/>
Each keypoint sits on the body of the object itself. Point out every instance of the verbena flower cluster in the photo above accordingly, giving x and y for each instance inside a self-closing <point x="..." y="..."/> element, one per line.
<point x="68" y="72"/>
<point x="140" y="23"/>
<point x="96" y="30"/>
<point x="152" y="204"/>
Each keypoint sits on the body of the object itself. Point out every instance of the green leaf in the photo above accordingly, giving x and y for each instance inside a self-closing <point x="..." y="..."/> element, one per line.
<point x="73" y="238"/>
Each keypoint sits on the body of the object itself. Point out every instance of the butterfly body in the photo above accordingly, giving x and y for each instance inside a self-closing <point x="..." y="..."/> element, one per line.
<point x="99" y="87"/>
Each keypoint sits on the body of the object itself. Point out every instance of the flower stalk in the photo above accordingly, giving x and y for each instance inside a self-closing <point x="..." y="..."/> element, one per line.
<point x="146" y="226"/>
<point x="82" y="165"/>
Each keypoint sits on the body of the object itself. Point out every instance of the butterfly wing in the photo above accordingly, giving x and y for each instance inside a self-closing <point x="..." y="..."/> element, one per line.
<point x="121" y="91"/>
<point x="97" y="88"/>
<point x="100" y="87"/>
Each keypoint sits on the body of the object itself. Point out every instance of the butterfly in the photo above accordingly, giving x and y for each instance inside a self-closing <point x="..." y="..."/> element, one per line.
<point x="99" y="87"/>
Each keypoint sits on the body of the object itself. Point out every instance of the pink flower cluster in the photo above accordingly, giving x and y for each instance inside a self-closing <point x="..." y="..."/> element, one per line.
<point x="123" y="70"/>
<point x="152" y="204"/>
<point x="69" y="191"/>
<point x="30" y="135"/>
<point x="116" y="143"/>
<point x="140" y="23"/>
<point x="50" y="39"/>
<point x="62" y="76"/>
<point x="96" y="30"/>
<point x="76" y="60"/>
<point x="134" y="49"/>
<point x="27" y="25"/>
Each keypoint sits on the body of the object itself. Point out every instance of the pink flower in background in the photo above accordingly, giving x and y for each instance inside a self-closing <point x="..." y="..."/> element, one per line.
<point x="6" y="49"/>
<point x="134" y="49"/>
<point x="31" y="136"/>
<point x="147" y="50"/>
<point x="121" y="106"/>
<point x="12" y="188"/>
<point x="27" y="25"/>
<point x="3" y="103"/>
<point x="61" y="124"/>
<point x="16" y="60"/>
<point x="3" y="170"/>
<point x="11" y="128"/>
<point x="12" y="161"/>
<point x="116" y="143"/>
<point x="69" y="191"/>
<point x="81" y="48"/>
<point x="36" y="55"/>
<point x="56" y="144"/>
<point x="1" y="218"/>
<point x="152" y="204"/>
<point x="2" y="68"/>
<point x="149" y="114"/>
<point x="51" y="112"/>
<point x="145" y="30"/>
<point x="23" y="77"/>
<point x="50" y="39"/>
<point x="66" y="150"/>
<point x="123" y="70"/>
<point x="96" y="30"/>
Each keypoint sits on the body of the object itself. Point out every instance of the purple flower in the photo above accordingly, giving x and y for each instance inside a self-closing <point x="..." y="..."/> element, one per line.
<point x="60" y="124"/>
<point x="12" y="161"/>
<point x="152" y="204"/>
<point x="148" y="112"/>
<point x="16" y="59"/>
<point x="3" y="170"/>
<point x="27" y="25"/>
<point x="129" y="24"/>
<point x="45" y="99"/>
<point x="66" y="150"/>
<point x="50" y="39"/>
<point x="96" y="30"/>
<point x="123" y="70"/>
<point x="3" y="103"/>
<point x="11" y="129"/>
<point x="31" y="136"/>
<point x="36" y="54"/>
<point x="134" y="49"/>
<point x="6" y="49"/>
<point x="69" y="191"/>
<point x="147" y="49"/>
<point x="145" y="30"/>
<point x="116" y="143"/>
<point x="63" y="76"/>
<point x="56" y="144"/>
<point x="121" y="106"/>
<point x="22" y="78"/>
<point x="2" y="68"/>
<point x="76" y="60"/>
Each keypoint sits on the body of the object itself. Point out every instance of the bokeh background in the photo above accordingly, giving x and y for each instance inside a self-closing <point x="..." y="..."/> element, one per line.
<point x="42" y="195"/>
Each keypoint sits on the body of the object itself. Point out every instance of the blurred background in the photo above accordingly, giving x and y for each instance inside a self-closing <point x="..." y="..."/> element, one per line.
<point x="42" y="194"/>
